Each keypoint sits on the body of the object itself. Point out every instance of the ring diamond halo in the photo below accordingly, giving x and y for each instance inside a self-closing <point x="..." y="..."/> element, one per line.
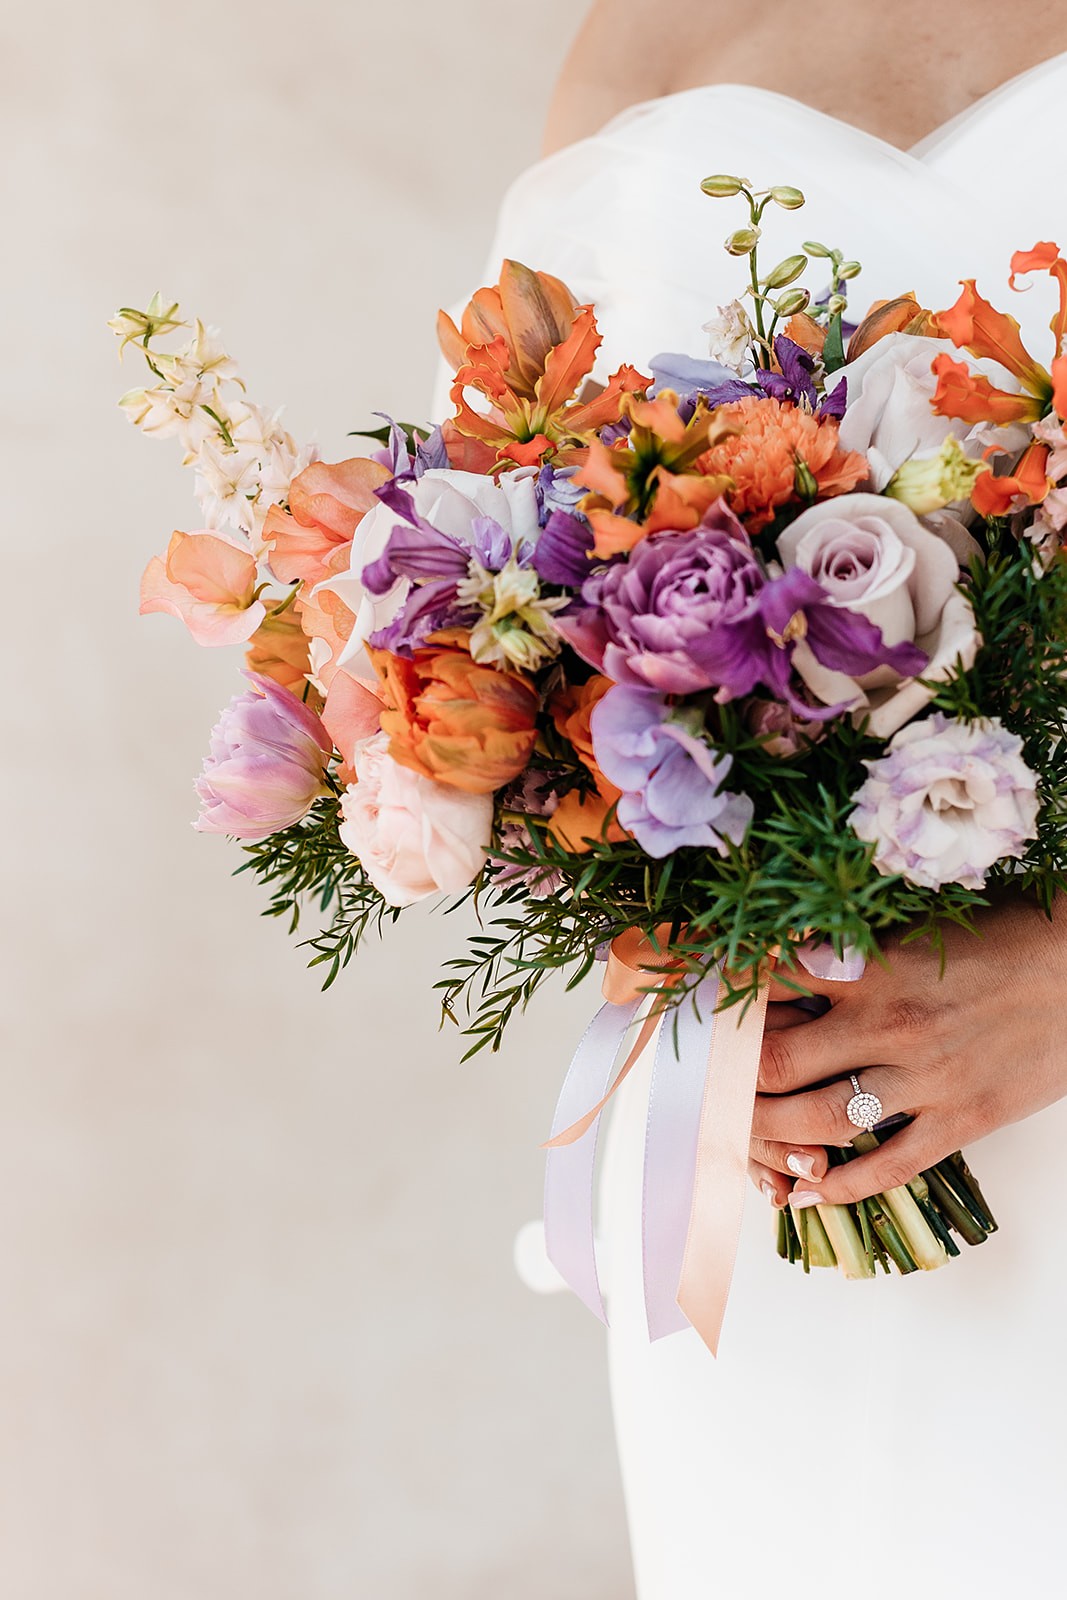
<point x="863" y="1110"/>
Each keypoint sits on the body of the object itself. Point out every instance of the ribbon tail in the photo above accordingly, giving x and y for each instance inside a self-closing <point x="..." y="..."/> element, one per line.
<point x="570" y="1168"/>
<point x="671" y="1135"/>
<point x="721" y="1166"/>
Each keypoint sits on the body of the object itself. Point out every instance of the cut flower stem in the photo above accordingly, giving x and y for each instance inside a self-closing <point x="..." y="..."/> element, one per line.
<point x="914" y="1226"/>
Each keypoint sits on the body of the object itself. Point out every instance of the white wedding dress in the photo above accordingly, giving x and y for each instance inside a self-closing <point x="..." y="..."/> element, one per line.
<point x="852" y="1438"/>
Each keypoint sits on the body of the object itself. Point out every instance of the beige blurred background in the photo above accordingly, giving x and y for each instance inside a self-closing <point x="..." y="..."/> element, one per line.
<point x="260" y="1335"/>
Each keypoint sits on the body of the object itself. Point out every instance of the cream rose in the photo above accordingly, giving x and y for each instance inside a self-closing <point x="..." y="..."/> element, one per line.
<point x="450" y="501"/>
<point x="413" y="837"/>
<point x="873" y="556"/>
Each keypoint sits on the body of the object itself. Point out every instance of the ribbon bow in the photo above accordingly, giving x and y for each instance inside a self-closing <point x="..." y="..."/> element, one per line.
<point x="701" y="1100"/>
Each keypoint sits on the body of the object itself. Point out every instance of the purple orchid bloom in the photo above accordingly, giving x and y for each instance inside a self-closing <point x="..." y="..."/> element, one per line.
<point x="670" y="777"/>
<point x="563" y="554"/>
<point x="795" y="381"/>
<point x="757" y="645"/>
<point x="436" y="563"/>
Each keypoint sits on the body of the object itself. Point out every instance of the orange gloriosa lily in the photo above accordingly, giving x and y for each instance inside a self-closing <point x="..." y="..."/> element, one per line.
<point x="527" y="347"/>
<point x="994" y="496"/>
<point x="975" y="325"/>
<point x="644" y="484"/>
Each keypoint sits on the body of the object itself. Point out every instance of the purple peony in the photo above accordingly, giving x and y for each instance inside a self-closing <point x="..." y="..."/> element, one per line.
<point x="641" y="622"/>
<point x="947" y="801"/>
<point x="670" y="777"/>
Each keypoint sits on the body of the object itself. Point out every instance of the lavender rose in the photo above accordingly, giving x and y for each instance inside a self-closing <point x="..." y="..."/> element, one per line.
<point x="948" y="800"/>
<point x="873" y="557"/>
<point x="670" y="777"/>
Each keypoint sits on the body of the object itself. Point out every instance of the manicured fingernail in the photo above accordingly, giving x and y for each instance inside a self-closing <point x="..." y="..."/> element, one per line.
<point x="800" y="1166"/>
<point x="804" y="1197"/>
<point x="768" y="1189"/>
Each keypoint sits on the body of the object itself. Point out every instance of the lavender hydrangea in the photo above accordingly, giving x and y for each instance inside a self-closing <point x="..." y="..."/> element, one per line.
<point x="670" y="777"/>
<point x="948" y="800"/>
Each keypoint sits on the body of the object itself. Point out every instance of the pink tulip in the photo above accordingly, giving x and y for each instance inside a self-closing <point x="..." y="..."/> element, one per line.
<point x="207" y="579"/>
<point x="266" y="764"/>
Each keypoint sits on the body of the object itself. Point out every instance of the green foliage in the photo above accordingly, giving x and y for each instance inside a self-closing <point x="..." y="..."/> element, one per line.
<point x="800" y="868"/>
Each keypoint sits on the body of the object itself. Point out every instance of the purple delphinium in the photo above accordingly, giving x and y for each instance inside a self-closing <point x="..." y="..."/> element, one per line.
<point x="670" y="777"/>
<point x="395" y="454"/>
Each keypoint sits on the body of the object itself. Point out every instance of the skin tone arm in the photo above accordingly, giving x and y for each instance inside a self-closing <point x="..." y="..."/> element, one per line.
<point x="964" y="1053"/>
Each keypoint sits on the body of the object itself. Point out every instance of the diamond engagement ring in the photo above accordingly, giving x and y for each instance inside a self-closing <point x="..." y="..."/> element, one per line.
<point x="863" y="1110"/>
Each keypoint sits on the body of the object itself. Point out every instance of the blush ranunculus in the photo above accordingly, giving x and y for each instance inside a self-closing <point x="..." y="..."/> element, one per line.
<point x="208" y="579"/>
<point x="413" y="837"/>
<point x="470" y="726"/>
<point x="266" y="765"/>
<point x="326" y="503"/>
<point x="873" y="557"/>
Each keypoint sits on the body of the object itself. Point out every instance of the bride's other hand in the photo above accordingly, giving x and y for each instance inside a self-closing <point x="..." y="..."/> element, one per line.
<point x="963" y="1052"/>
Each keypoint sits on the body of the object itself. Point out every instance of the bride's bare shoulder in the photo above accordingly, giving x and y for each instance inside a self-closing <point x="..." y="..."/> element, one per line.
<point x="622" y="55"/>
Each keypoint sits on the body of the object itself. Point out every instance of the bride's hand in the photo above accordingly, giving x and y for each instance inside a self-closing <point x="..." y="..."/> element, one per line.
<point x="962" y="1052"/>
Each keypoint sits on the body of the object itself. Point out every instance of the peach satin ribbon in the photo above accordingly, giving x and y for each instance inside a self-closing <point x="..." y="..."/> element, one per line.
<point x="699" y="1124"/>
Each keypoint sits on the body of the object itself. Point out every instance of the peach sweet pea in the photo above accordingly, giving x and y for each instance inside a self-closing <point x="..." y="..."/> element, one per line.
<point x="455" y="721"/>
<point x="326" y="502"/>
<point x="207" y="579"/>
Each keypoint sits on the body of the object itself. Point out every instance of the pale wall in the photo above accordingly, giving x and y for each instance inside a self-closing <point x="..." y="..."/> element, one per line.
<point x="260" y="1338"/>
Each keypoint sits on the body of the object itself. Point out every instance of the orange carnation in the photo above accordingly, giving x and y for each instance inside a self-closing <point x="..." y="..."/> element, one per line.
<point x="453" y="720"/>
<point x="774" y="444"/>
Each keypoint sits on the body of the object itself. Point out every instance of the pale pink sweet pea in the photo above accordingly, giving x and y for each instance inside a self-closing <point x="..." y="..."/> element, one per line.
<point x="413" y="836"/>
<point x="208" y="579"/>
<point x="266" y="765"/>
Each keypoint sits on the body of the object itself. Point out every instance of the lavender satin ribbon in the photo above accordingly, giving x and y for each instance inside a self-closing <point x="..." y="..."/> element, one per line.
<point x="684" y="1075"/>
<point x="671" y="1138"/>
<point x="570" y="1169"/>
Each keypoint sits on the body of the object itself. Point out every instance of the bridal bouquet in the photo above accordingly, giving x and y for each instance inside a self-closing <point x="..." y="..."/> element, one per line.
<point x="696" y="666"/>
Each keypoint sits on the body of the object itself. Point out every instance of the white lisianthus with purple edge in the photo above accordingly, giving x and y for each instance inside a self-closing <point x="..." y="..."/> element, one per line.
<point x="948" y="800"/>
<point x="670" y="777"/>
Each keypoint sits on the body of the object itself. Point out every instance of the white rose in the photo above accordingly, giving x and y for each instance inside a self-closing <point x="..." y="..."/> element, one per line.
<point x="873" y="556"/>
<point x="889" y="415"/>
<point x="451" y="501"/>
<point x="413" y="837"/>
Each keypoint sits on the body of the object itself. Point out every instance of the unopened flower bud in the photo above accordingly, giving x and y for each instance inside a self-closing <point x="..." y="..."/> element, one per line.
<point x="790" y="304"/>
<point x="804" y="481"/>
<point x="743" y="241"/>
<point x="929" y="483"/>
<point x="849" y="269"/>
<point x="836" y="304"/>
<point x="814" y="248"/>
<point x="785" y="272"/>
<point x="788" y="198"/>
<point x="721" y="185"/>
